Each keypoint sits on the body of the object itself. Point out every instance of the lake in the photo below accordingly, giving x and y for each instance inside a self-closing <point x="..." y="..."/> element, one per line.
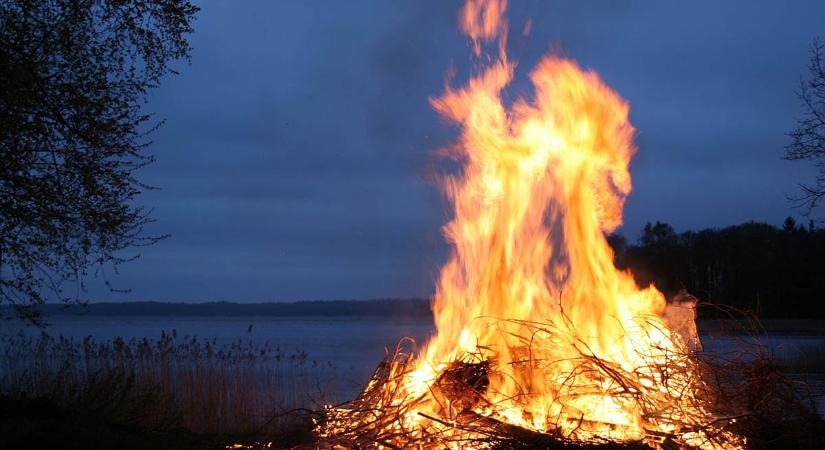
<point x="353" y="346"/>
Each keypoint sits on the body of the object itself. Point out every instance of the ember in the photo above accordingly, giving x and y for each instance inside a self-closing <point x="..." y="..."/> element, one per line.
<point x="540" y="340"/>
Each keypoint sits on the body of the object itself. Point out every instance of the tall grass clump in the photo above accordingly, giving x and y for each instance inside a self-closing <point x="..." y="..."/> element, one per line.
<point x="171" y="382"/>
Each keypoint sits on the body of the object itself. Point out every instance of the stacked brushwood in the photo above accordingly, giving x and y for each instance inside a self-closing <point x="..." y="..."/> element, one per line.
<point x="362" y="423"/>
<point x="748" y="396"/>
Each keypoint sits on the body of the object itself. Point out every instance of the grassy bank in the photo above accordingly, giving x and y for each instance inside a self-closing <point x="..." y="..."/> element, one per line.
<point x="173" y="392"/>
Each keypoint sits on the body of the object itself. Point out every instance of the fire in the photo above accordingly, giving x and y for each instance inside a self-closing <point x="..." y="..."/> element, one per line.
<point x="530" y="307"/>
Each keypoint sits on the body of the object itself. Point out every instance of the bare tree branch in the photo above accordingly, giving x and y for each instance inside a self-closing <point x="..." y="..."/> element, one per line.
<point x="808" y="138"/>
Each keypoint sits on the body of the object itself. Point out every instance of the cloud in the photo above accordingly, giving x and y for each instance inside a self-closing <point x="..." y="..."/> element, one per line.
<point x="294" y="160"/>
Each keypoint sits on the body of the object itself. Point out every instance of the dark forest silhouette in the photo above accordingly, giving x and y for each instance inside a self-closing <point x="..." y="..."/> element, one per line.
<point x="773" y="272"/>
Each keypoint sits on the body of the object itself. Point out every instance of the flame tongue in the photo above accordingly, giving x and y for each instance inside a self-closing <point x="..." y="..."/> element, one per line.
<point x="535" y="327"/>
<point x="539" y="188"/>
<point x="541" y="184"/>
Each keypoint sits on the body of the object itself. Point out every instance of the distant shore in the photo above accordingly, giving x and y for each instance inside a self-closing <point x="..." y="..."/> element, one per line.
<point x="413" y="309"/>
<point x="789" y="327"/>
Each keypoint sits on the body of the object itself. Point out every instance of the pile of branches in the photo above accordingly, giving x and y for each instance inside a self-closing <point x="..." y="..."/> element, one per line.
<point x="364" y="423"/>
<point x="740" y="396"/>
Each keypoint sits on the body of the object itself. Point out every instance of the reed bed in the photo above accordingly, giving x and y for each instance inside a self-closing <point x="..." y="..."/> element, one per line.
<point x="171" y="382"/>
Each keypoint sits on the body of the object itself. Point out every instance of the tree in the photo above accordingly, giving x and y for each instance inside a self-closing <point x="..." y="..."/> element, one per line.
<point x="660" y="234"/>
<point x="74" y="75"/>
<point x="776" y="272"/>
<point x="808" y="138"/>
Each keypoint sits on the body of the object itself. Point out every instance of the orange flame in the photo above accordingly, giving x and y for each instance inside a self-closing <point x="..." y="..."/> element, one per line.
<point x="574" y="345"/>
<point x="541" y="185"/>
<point x="483" y="21"/>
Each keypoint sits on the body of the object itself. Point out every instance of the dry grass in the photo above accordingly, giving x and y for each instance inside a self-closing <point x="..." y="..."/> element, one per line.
<point x="172" y="382"/>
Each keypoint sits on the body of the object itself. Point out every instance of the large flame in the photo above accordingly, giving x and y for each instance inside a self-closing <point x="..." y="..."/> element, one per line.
<point x="573" y="345"/>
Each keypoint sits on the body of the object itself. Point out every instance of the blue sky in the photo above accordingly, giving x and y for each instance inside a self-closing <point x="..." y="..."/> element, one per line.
<point x="295" y="156"/>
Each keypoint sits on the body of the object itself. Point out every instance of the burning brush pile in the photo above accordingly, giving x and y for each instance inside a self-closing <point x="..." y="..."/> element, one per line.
<point x="541" y="342"/>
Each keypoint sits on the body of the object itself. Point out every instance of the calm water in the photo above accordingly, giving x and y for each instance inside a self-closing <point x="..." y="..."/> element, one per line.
<point x="352" y="345"/>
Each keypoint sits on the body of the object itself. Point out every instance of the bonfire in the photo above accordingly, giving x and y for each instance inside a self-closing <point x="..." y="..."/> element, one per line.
<point x="540" y="341"/>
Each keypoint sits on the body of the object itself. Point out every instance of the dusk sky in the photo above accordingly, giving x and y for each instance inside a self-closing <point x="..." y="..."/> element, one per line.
<point x="294" y="160"/>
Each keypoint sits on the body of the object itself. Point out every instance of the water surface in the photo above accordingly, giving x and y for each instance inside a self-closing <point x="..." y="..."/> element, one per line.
<point x="354" y="346"/>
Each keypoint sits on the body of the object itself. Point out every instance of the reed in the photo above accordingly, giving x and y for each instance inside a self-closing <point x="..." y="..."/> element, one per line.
<point x="166" y="383"/>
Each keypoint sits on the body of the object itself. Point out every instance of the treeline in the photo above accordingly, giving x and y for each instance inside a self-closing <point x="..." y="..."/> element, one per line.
<point x="757" y="267"/>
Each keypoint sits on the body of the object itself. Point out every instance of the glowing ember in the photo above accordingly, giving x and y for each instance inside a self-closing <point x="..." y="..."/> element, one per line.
<point x="536" y="328"/>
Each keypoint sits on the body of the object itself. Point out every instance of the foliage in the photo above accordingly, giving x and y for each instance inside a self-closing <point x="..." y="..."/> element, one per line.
<point x="73" y="77"/>
<point x="778" y="273"/>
